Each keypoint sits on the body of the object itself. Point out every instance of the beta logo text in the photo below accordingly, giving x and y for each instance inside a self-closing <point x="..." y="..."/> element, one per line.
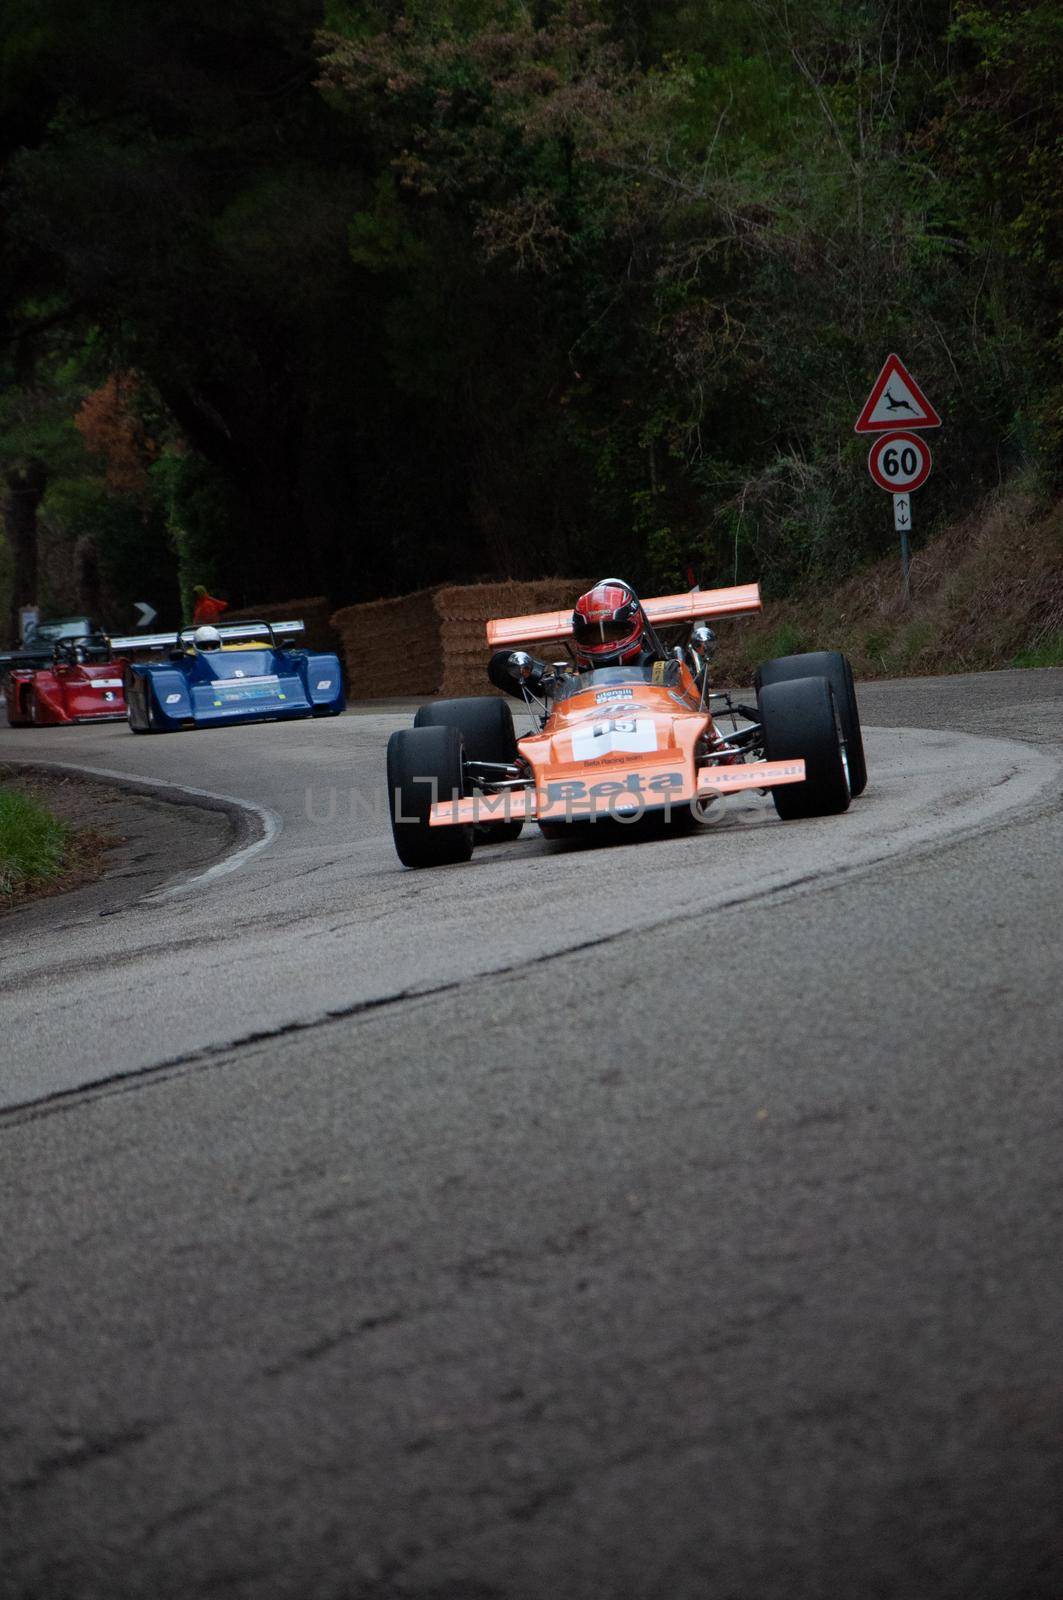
<point x="559" y="794"/>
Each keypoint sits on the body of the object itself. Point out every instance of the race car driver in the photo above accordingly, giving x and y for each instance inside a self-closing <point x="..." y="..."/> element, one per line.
<point x="609" y="629"/>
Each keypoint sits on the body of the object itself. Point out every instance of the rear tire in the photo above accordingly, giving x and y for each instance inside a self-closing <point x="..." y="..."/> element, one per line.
<point x="424" y="765"/>
<point x="138" y="704"/>
<point x="833" y="666"/>
<point x="486" y="728"/>
<point x="801" y="721"/>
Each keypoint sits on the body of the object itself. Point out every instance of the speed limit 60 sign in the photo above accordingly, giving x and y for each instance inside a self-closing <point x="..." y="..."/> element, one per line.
<point x="900" y="462"/>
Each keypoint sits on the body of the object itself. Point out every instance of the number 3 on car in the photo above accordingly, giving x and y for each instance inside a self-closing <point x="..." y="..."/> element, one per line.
<point x="900" y="462"/>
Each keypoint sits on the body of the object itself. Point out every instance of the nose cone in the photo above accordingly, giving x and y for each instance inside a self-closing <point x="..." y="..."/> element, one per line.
<point x="637" y="740"/>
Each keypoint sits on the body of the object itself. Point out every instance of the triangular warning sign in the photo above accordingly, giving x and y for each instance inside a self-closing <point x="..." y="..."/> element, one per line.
<point x="896" y="401"/>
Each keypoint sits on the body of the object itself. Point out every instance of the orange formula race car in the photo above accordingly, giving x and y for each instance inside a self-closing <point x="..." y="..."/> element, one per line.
<point x="644" y="734"/>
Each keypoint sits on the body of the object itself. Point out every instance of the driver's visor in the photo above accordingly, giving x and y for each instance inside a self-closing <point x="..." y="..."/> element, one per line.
<point x="605" y="630"/>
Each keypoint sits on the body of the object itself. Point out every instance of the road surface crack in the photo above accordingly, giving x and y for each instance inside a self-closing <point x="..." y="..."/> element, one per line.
<point x="83" y="1451"/>
<point x="324" y="1347"/>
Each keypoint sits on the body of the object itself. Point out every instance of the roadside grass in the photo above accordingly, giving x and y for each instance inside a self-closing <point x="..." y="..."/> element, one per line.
<point x="1049" y="653"/>
<point x="785" y="641"/>
<point x="34" y="845"/>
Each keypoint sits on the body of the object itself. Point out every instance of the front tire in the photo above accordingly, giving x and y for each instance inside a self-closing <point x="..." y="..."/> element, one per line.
<point x="486" y="728"/>
<point x="424" y="765"/>
<point x="801" y="721"/>
<point x="833" y="666"/>
<point x="17" y="707"/>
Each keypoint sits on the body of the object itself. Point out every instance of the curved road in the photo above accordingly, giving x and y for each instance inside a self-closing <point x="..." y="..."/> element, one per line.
<point x="671" y="1220"/>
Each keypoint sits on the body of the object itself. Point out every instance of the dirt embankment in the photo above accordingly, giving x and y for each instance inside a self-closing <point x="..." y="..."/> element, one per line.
<point x="78" y="848"/>
<point x="986" y="594"/>
<point x="131" y="842"/>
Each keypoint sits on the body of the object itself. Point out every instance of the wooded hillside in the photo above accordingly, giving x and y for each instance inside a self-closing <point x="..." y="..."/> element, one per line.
<point x="324" y="296"/>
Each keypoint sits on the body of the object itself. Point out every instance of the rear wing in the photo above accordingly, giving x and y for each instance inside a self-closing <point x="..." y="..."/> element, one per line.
<point x="231" y="630"/>
<point x="669" y="608"/>
<point x="26" y="657"/>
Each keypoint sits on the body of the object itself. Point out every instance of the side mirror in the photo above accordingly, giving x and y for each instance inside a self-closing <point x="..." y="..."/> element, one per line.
<point x="703" y="639"/>
<point x="521" y="663"/>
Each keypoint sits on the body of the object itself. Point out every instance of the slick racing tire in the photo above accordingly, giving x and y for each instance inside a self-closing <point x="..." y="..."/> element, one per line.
<point x="833" y="666"/>
<point x="139" y="708"/>
<point x="800" y="719"/>
<point x="486" y="728"/>
<point x="424" y="765"/>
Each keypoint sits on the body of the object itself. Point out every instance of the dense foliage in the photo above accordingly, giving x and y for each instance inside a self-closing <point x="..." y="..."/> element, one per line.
<point x="332" y="295"/>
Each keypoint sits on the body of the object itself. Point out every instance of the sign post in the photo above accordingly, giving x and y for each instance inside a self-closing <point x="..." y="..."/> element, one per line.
<point x="899" y="460"/>
<point x="902" y="521"/>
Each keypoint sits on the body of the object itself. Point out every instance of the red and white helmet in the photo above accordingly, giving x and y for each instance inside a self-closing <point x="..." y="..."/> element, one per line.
<point x="608" y="626"/>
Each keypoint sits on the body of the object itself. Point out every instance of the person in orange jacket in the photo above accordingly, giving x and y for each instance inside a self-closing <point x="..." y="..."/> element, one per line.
<point x="207" y="609"/>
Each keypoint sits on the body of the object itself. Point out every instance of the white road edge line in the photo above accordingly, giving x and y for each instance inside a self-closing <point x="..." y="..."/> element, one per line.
<point x="271" y="823"/>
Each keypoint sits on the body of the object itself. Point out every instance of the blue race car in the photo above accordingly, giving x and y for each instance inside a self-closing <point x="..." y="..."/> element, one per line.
<point x="244" y="672"/>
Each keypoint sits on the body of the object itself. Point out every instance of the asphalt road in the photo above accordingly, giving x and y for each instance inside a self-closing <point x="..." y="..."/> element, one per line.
<point x="674" y="1220"/>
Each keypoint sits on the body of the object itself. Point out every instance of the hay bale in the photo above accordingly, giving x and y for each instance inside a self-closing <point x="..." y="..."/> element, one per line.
<point x="434" y="642"/>
<point x="391" y="647"/>
<point x="464" y="613"/>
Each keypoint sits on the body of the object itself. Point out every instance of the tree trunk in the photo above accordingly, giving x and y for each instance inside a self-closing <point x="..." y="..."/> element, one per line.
<point x="25" y="490"/>
<point x="87" y="571"/>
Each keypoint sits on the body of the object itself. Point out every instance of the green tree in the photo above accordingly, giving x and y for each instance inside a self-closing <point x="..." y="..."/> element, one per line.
<point x="449" y="288"/>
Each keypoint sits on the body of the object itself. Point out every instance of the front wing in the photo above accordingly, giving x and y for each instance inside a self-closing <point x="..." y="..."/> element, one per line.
<point x="599" y="794"/>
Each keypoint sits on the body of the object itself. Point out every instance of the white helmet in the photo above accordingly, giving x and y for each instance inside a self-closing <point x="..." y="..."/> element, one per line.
<point x="207" y="639"/>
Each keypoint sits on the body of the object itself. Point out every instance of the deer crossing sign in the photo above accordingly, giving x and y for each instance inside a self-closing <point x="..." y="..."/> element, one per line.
<point x="899" y="460"/>
<point x="896" y="401"/>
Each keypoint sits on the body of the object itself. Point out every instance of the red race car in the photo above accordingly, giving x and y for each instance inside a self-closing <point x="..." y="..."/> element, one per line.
<point x="85" y="683"/>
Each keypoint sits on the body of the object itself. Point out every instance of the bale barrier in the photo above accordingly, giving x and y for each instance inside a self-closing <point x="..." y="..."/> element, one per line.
<point x="390" y="647"/>
<point x="434" y="642"/>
